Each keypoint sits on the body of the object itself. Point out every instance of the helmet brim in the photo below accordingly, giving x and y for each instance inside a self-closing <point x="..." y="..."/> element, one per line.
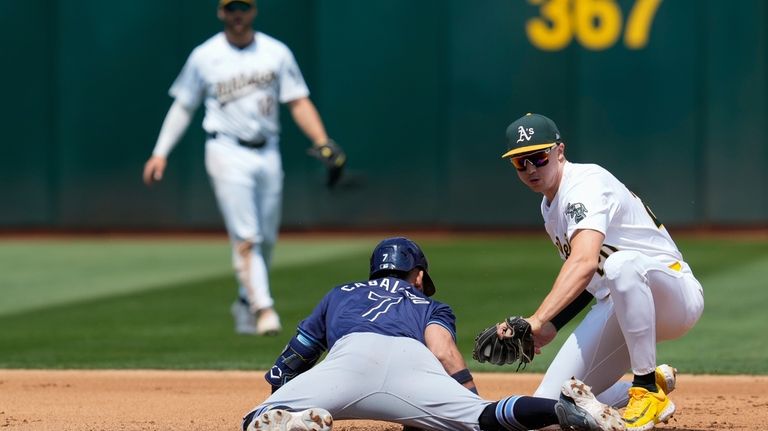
<point x="428" y="285"/>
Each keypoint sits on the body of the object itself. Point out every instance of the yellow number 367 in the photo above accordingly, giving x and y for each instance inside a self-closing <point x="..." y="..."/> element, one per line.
<point x="596" y="24"/>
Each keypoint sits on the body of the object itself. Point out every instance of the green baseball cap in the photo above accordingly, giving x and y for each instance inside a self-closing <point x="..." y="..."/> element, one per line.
<point x="223" y="3"/>
<point x="531" y="132"/>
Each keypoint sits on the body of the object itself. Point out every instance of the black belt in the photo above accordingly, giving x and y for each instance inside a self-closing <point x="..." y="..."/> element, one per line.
<point x="249" y="144"/>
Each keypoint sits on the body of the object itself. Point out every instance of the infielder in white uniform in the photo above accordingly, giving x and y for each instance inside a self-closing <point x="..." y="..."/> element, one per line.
<point x="242" y="76"/>
<point x="392" y="356"/>
<point x="615" y="250"/>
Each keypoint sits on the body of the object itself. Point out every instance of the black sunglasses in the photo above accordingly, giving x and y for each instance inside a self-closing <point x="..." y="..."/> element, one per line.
<point x="237" y="6"/>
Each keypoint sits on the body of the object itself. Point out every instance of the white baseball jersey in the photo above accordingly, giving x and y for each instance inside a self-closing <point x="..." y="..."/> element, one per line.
<point x="590" y="197"/>
<point x="241" y="87"/>
<point x="645" y="292"/>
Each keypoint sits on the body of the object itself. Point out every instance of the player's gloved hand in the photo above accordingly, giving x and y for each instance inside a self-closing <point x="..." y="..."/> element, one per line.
<point x="333" y="157"/>
<point x="506" y="343"/>
<point x="276" y="377"/>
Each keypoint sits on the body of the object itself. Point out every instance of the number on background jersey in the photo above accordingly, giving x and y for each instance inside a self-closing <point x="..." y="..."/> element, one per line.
<point x="266" y="105"/>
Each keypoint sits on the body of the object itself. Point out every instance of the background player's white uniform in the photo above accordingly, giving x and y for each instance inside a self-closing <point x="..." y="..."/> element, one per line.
<point x="241" y="89"/>
<point x="640" y="269"/>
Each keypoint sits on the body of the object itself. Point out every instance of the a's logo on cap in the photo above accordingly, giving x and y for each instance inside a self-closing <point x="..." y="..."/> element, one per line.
<point x="527" y="135"/>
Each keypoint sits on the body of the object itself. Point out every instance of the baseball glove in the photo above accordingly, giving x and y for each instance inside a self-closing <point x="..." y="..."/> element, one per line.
<point x="333" y="157"/>
<point x="499" y="351"/>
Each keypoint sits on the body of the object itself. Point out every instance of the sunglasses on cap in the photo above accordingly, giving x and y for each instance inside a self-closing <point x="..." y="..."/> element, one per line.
<point x="537" y="159"/>
<point x="237" y="6"/>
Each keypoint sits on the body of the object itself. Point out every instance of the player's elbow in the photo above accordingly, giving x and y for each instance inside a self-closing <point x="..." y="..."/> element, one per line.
<point x="584" y="265"/>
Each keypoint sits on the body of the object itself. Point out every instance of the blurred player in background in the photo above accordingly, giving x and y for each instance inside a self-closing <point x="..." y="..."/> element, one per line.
<point x="615" y="250"/>
<point x="393" y="357"/>
<point x="241" y="76"/>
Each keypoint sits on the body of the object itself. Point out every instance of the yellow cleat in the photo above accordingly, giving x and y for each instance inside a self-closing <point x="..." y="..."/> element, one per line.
<point x="646" y="409"/>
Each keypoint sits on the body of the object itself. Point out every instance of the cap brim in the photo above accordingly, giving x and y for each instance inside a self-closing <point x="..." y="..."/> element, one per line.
<point x="529" y="149"/>
<point x="223" y="3"/>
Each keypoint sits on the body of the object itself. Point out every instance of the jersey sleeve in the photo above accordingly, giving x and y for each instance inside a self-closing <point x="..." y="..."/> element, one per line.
<point x="292" y="85"/>
<point x="443" y="315"/>
<point x="591" y="205"/>
<point x="189" y="86"/>
<point x="314" y="326"/>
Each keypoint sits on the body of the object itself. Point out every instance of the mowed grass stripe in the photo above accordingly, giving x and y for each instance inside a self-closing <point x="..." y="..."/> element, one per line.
<point x="186" y="325"/>
<point x="37" y="274"/>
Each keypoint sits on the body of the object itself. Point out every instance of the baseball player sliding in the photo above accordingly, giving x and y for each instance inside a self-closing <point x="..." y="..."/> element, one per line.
<point x="241" y="76"/>
<point x="616" y="251"/>
<point x="393" y="357"/>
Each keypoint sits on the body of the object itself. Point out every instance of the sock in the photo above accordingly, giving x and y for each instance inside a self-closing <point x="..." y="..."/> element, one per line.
<point x="647" y="381"/>
<point x="518" y="413"/>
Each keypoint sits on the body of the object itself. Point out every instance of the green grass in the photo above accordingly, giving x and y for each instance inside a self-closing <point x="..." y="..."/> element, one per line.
<point x="165" y="303"/>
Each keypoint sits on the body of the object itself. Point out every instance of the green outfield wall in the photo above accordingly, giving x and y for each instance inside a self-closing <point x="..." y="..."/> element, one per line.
<point x="672" y="96"/>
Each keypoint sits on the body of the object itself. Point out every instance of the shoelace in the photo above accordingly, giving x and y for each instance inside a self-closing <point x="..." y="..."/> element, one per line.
<point x="636" y="407"/>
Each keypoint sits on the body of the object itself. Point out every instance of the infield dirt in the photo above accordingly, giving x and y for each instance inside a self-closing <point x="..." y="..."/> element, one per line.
<point x="209" y="400"/>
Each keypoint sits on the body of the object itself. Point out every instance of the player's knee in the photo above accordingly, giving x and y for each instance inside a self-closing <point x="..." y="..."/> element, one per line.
<point x="621" y="264"/>
<point x="244" y="248"/>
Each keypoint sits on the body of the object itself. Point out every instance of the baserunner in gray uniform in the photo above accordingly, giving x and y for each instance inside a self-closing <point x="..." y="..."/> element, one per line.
<point x="393" y="357"/>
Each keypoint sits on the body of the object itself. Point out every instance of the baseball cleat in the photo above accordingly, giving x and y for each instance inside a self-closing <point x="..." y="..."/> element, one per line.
<point x="268" y="322"/>
<point x="245" y="321"/>
<point x="666" y="378"/>
<point x="314" y="419"/>
<point x="579" y="410"/>
<point x="646" y="409"/>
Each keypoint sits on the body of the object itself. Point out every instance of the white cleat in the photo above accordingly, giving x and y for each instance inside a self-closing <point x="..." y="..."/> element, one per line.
<point x="245" y="321"/>
<point x="666" y="378"/>
<point x="268" y="322"/>
<point x="579" y="410"/>
<point x="314" y="419"/>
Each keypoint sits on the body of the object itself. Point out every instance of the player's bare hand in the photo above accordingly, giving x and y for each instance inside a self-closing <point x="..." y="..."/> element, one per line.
<point x="502" y="330"/>
<point x="153" y="169"/>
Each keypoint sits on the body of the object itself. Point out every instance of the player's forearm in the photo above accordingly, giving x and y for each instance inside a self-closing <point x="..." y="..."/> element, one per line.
<point x="441" y="343"/>
<point x="299" y="355"/>
<point x="453" y="363"/>
<point x="573" y="278"/>
<point x="175" y="124"/>
<point x="308" y="119"/>
<point x="576" y="273"/>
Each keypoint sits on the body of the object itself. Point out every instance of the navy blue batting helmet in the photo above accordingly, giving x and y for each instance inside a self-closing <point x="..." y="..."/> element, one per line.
<point x="400" y="254"/>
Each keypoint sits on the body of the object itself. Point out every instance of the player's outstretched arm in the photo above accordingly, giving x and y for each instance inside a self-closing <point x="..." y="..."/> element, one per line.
<point x="175" y="124"/>
<point x="441" y="343"/>
<point x="574" y="276"/>
<point x="323" y="148"/>
<point x="308" y="119"/>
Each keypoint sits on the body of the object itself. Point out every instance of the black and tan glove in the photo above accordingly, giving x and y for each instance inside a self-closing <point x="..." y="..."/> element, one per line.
<point x="517" y="346"/>
<point x="333" y="157"/>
